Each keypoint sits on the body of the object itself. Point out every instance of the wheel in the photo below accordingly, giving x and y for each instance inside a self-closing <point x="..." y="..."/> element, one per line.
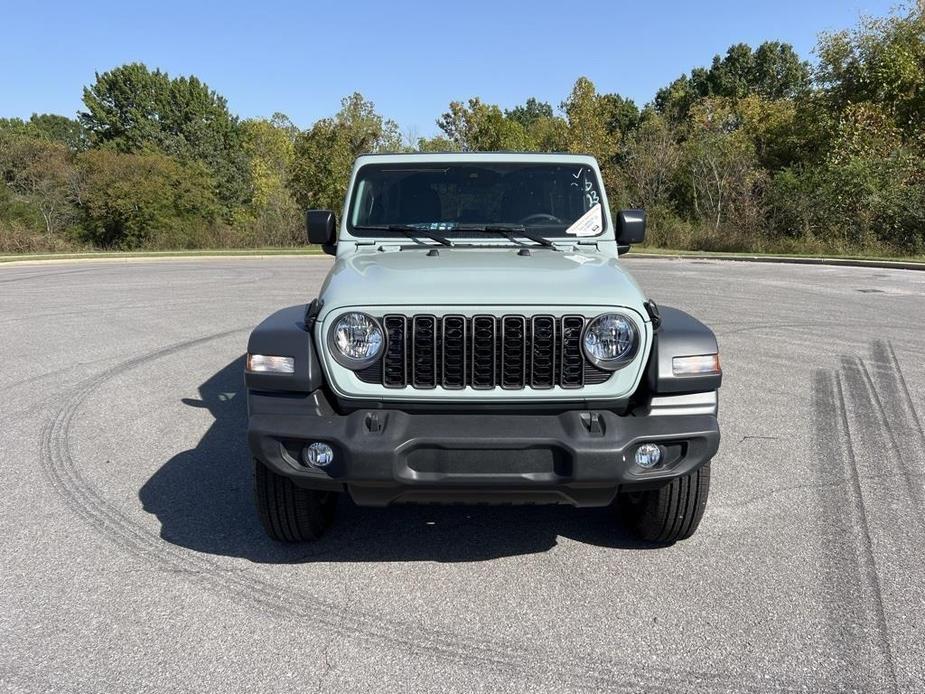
<point x="669" y="513"/>
<point x="289" y="513"/>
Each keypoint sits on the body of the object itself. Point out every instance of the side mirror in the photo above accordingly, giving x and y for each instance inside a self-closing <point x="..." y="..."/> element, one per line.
<point x="322" y="229"/>
<point x="631" y="227"/>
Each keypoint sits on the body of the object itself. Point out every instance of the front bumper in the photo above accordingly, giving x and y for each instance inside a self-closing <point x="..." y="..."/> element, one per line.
<point x="578" y="457"/>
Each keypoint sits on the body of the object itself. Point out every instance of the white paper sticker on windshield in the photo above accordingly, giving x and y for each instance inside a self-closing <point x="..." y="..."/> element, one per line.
<point x="589" y="224"/>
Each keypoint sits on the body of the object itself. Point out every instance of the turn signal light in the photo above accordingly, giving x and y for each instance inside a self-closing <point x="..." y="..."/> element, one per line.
<point x="262" y="363"/>
<point x="701" y="365"/>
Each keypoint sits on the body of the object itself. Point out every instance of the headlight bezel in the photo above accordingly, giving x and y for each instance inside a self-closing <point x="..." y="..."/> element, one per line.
<point x="345" y="360"/>
<point x="619" y="362"/>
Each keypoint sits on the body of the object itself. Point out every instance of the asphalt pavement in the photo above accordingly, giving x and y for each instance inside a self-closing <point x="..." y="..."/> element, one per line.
<point x="132" y="559"/>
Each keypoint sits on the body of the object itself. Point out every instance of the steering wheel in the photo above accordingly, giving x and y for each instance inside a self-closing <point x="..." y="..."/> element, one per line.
<point x="540" y="217"/>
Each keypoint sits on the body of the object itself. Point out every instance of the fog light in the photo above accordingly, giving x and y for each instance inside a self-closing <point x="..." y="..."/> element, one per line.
<point x="648" y="455"/>
<point x="318" y="454"/>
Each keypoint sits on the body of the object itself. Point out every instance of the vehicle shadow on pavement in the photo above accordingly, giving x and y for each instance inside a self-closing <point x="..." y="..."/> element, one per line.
<point x="203" y="499"/>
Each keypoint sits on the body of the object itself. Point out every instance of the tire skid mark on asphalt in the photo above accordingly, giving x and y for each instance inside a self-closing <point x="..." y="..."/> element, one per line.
<point x="852" y="424"/>
<point x="506" y="658"/>
<point x="889" y="436"/>
<point x="53" y="374"/>
<point x="42" y="275"/>
<point x="242" y="277"/>
<point x="886" y="423"/>
<point x="868" y="563"/>
<point x="886" y="354"/>
<point x="80" y="315"/>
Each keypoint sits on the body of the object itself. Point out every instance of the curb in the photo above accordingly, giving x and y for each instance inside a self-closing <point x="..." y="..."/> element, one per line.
<point x="10" y="261"/>
<point x="845" y="262"/>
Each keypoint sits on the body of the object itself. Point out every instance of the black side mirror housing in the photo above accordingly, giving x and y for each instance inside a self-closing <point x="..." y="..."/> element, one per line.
<point x="322" y="229"/>
<point x="631" y="228"/>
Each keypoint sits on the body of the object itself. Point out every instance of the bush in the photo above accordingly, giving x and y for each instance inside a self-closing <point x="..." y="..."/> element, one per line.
<point x="132" y="201"/>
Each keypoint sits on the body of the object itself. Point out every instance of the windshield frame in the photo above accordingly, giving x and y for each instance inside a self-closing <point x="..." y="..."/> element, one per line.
<point x="552" y="232"/>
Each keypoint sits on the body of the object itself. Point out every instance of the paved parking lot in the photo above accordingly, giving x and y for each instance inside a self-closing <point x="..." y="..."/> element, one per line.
<point x="133" y="560"/>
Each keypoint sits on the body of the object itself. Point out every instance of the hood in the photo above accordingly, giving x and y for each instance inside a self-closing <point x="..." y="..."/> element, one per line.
<point x="479" y="276"/>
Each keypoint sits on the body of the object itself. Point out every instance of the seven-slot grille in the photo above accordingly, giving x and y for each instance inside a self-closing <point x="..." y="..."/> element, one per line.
<point x="483" y="352"/>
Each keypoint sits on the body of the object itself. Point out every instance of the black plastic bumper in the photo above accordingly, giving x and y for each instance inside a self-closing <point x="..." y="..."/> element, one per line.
<point x="580" y="457"/>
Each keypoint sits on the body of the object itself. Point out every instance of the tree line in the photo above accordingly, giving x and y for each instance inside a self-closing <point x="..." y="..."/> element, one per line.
<point x="760" y="151"/>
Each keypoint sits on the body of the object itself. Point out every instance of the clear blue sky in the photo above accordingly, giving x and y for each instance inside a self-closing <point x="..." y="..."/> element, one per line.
<point x="411" y="59"/>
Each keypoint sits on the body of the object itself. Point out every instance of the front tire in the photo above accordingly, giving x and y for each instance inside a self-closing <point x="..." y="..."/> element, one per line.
<point x="289" y="513"/>
<point x="671" y="512"/>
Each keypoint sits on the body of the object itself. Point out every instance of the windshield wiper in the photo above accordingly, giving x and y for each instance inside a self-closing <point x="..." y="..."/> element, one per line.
<point x="510" y="231"/>
<point x="410" y="231"/>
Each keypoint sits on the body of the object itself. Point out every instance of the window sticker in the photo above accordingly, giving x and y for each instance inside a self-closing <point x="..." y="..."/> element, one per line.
<point x="435" y="226"/>
<point x="589" y="224"/>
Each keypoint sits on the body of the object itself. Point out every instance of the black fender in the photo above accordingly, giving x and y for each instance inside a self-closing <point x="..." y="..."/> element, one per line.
<point x="286" y="333"/>
<point x="679" y="335"/>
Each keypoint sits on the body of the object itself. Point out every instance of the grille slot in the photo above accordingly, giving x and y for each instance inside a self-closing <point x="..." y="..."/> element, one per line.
<point x="484" y="352"/>
<point x="424" y="352"/>
<point x="513" y="352"/>
<point x="572" y="373"/>
<point x="543" y="355"/>
<point x="454" y="352"/>
<point x="393" y="362"/>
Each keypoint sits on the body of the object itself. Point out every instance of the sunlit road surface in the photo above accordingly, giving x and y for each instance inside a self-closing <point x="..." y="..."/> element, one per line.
<point x="133" y="561"/>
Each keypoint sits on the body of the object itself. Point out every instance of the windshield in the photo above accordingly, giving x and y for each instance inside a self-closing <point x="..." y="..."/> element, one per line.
<point x="458" y="199"/>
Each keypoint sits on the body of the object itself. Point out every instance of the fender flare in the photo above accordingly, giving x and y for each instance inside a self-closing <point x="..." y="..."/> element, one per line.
<point x="286" y="334"/>
<point x="679" y="335"/>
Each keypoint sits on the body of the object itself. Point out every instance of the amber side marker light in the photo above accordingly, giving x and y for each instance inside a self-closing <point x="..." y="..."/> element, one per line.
<point x="700" y="365"/>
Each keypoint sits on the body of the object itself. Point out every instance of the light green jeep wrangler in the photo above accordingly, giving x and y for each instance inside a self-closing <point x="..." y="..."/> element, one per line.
<point x="477" y="341"/>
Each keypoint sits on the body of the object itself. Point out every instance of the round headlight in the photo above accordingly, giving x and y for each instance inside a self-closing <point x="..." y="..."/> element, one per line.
<point x="610" y="341"/>
<point x="357" y="340"/>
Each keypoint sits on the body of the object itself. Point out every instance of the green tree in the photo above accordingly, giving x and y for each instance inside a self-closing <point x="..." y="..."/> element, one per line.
<point x="144" y="200"/>
<point x="49" y="127"/>
<point x="272" y="216"/>
<point x="868" y="194"/>
<point x="13" y="126"/>
<point x="721" y="179"/>
<point x="324" y="154"/>
<point x="480" y="127"/>
<point x="773" y="71"/>
<point x="529" y="113"/>
<point x="777" y="72"/>
<point x="55" y="128"/>
<point x="651" y="162"/>
<point x="321" y="166"/>
<point x="126" y="108"/>
<point x="881" y="61"/>
<point x="675" y="100"/>
<point x="622" y="114"/>
<point x="774" y="129"/>
<point x="589" y="118"/>
<point x="547" y="135"/>
<point x="135" y="110"/>
<point x="41" y="176"/>
<point x="367" y="130"/>
<point x="437" y="143"/>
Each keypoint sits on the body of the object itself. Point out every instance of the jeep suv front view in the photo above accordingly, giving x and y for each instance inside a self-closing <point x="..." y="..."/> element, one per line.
<point x="477" y="341"/>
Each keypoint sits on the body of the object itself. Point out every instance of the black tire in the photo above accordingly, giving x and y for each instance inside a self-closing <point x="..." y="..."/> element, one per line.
<point x="669" y="513"/>
<point x="289" y="513"/>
